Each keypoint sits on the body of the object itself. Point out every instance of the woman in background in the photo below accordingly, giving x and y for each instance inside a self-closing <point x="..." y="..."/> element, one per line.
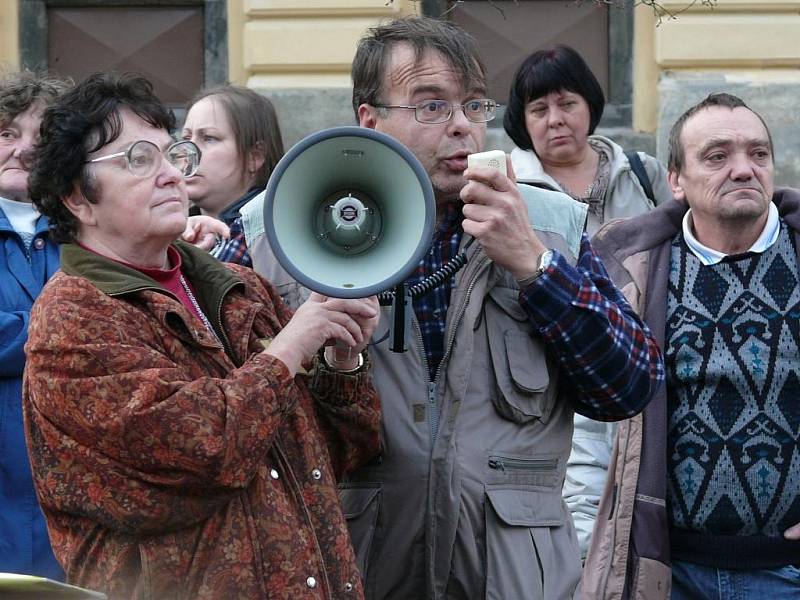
<point x="238" y="134"/>
<point x="554" y="106"/>
<point x="29" y="257"/>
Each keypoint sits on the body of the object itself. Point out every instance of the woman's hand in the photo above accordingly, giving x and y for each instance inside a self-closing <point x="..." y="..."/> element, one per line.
<point x="204" y="231"/>
<point x="321" y="321"/>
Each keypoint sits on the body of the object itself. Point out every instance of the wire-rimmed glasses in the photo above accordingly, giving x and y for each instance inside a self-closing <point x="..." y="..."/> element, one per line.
<point x="480" y="110"/>
<point x="143" y="157"/>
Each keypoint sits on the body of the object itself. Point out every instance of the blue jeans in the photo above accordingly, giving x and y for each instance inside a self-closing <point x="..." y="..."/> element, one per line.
<point x="698" y="582"/>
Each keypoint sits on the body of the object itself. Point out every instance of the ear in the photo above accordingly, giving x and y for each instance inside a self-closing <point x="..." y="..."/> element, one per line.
<point x="80" y="207"/>
<point x="367" y="116"/>
<point x="674" y="183"/>
<point x="256" y="159"/>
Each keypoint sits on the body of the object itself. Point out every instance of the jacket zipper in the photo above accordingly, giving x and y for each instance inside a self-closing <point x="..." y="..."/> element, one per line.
<point x="433" y="415"/>
<point x="505" y="463"/>
<point x="226" y="343"/>
<point x="434" y="409"/>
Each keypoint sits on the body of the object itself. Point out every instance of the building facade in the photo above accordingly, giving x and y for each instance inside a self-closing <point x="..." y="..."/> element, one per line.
<point x="298" y="52"/>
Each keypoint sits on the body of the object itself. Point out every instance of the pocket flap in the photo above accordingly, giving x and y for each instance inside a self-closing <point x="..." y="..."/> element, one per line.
<point x="528" y="369"/>
<point x="355" y="500"/>
<point x="508" y="300"/>
<point x="527" y="507"/>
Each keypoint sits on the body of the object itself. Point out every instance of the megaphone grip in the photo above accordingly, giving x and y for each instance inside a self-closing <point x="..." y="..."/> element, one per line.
<point x="401" y="318"/>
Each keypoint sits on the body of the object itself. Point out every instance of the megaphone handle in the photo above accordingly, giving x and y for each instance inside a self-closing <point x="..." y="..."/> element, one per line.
<point x="401" y="318"/>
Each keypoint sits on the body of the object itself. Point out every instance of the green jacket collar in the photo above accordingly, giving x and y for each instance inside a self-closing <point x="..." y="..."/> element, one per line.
<point x="211" y="279"/>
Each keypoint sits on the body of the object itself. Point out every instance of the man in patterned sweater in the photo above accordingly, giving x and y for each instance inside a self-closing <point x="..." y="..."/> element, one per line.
<point x="707" y="480"/>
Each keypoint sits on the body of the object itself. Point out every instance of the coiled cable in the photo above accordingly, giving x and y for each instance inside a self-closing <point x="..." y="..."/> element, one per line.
<point x="431" y="282"/>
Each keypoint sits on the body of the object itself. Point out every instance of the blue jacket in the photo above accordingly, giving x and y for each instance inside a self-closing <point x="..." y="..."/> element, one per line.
<point x="24" y="544"/>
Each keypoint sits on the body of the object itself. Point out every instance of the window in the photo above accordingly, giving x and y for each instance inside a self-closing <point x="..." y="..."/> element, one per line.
<point x="179" y="45"/>
<point x="509" y="30"/>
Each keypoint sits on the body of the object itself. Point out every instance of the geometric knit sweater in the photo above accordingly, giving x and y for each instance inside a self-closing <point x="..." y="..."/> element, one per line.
<point x="733" y="381"/>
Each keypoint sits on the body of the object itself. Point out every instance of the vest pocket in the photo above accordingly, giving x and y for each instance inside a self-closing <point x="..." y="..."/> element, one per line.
<point x="523" y="391"/>
<point x="360" y="505"/>
<point x="523" y="388"/>
<point x="521" y="553"/>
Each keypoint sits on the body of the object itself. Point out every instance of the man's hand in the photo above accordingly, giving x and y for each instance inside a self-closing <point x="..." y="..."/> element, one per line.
<point x="204" y="231"/>
<point x="321" y="320"/>
<point x="496" y="215"/>
<point x="793" y="533"/>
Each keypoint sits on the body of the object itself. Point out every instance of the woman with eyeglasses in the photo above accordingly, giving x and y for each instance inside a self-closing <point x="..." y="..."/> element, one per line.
<point x="237" y="131"/>
<point x="186" y="431"/>
<point x="29" y="256"/>
<point x="554" y="106"/>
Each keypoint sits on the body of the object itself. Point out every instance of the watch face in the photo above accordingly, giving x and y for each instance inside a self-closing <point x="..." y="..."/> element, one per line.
<point x="544" y="260"/>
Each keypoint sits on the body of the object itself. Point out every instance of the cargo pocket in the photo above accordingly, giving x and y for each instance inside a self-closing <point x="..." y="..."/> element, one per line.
<point x="522" y="560"/>
<point x="653" y="580"/>
<point x="360" y="505"/>
<point x="523" y="391"/>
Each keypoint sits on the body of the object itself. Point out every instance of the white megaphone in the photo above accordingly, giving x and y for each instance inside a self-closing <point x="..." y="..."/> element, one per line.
<point x="349" y="212"/>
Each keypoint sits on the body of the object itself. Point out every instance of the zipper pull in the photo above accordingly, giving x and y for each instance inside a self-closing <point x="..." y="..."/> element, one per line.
<point x="497" y="464"/>
<point x="433" y="409"/>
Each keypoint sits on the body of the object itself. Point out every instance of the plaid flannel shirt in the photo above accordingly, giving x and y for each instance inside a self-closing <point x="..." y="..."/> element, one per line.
<point x="431" y="309"/>
<point x="606" y="353"/>
<point x="234" y="249"/>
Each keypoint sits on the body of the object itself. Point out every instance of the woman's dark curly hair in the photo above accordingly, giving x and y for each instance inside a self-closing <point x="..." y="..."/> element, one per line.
<point x="79" y="123"/>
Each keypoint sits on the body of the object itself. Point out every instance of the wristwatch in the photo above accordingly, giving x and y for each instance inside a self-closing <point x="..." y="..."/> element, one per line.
<point x="333" y="368"/>
<point x="545" y="258"/>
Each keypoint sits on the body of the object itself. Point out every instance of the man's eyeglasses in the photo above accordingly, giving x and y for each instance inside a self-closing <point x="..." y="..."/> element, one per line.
<point x="143" y="158"/>
<point x="480" y="110"/>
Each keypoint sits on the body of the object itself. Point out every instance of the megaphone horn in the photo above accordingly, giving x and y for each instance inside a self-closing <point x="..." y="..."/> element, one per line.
<point x="349" y="212"/>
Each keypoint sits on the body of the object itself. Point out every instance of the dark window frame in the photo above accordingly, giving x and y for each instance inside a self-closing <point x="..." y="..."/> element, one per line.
<point x="33" y="31"/>
<point x="619" y="104"/>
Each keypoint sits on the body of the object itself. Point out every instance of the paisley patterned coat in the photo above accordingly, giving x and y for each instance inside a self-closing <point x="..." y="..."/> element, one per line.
<point x="171" y="467"/>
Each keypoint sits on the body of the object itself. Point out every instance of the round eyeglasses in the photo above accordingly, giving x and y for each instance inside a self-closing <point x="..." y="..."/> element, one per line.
<point x="143" y="157"/>
<point x="480" y="110"/>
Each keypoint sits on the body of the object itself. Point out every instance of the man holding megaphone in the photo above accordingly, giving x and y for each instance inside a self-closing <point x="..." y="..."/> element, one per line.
<point x="465" y="500"/>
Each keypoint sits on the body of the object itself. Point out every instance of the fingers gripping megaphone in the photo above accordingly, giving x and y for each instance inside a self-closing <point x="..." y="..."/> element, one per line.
<point x="349" y="212"/>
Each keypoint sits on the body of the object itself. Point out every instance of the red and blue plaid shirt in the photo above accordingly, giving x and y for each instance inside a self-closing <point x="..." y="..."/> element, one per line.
<point x="234" y="249"/>
<point x="606" y="353"/>
<point x="608" y="358"/>
<point x="431" y="309"/>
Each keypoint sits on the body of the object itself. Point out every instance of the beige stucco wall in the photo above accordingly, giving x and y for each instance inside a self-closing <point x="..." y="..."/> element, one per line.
<point x="9" y="36"/>
<point x="300" y="43"/>
<point x="742" y="40"/>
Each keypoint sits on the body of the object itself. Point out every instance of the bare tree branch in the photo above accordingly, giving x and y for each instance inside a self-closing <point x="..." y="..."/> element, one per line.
<point x="659" y="10"/>
<point x="662" y="12"/>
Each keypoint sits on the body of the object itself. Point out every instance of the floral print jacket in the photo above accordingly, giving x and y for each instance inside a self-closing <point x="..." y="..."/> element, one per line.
<point x="170" y="466"/>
